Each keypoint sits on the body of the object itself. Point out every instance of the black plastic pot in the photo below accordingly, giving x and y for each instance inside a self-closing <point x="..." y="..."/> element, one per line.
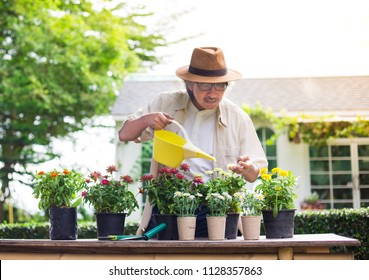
<point x="231" y="229"/>
<point x="171" y="230"/>
<point x="63" y="223"/>
<point x="281" y="226"/>
<point x="110" y="224"/>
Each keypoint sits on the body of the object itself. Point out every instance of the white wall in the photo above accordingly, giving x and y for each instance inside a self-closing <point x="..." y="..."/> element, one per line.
<point x="127" y="156"/>
<point x="295" y="157"/>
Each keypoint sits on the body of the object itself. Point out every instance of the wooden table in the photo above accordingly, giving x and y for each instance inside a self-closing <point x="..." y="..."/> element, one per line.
<point x="301" y="246"/>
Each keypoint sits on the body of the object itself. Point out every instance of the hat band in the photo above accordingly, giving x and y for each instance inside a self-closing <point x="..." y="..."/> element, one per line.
<point x="207" y="73"/>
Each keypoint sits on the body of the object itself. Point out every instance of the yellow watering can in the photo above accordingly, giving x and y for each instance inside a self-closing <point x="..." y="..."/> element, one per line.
<point x="171" y="149"/>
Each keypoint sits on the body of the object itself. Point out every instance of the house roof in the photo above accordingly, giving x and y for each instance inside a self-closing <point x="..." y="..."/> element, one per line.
<point x="344" y="97"/>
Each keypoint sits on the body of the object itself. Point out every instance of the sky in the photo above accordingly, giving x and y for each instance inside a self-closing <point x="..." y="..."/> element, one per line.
<point x="260" y="38"/>
<point x="272" y="38"/>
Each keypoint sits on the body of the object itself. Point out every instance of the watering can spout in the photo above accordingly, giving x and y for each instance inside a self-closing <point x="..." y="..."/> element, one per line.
<point x="171" y="149"/>
<point x="191" y="151"/>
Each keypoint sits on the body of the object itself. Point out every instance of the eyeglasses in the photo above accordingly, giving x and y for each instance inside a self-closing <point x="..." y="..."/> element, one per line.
<point x="208" y="86"/>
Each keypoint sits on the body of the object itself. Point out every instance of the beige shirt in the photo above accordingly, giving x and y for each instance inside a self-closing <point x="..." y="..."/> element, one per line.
<point x="234" y="134"/>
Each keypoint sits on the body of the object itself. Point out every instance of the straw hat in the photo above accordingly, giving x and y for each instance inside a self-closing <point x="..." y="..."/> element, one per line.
<point x="207" y="66"/>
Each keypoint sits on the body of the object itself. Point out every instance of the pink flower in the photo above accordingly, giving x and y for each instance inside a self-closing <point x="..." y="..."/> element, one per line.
<point x="84" y="193"/>
<point x="179" y="176"/>
<point x="105" y="182"/>
<point x="198" y="180"/>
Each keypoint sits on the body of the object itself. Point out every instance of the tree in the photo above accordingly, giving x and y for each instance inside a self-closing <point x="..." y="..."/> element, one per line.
<point x="61" y="63"/>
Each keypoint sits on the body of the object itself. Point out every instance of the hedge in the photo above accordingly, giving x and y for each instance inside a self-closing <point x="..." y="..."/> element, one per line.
<point x="353" y="223"/>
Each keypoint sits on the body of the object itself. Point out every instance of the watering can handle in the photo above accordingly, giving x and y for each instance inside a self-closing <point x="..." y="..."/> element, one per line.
<point x="183" y="130"/>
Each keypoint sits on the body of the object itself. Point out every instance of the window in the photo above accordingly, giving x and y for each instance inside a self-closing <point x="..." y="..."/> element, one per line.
<point x="270" y="149"/>
<point x="340" y="174"/>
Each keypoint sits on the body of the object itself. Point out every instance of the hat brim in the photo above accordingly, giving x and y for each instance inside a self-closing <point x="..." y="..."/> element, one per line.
<point x="231" y="75"/>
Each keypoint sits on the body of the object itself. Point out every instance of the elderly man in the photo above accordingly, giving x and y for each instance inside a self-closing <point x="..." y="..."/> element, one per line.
<point x="214" y="124"/>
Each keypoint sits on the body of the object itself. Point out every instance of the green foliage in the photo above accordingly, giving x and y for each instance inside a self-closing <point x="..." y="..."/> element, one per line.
<point x="106" y="194"/>
<point x="317" y="131"/>
<point x="62" y="63"/>
<point x="252" y="203"/>
<point x="218" y="204"/>
<point x="221" y="182"/>
<point x="308" y="129"/>
<point x="58" y="189"/>
<point x="186" y="203"/>
<point x="353" y="223"/>
<point x="278" y="189"/>
<point x="86" y="230"/>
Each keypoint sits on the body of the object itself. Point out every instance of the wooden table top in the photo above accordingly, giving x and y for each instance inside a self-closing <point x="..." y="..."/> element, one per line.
<point x="200" y="246"/>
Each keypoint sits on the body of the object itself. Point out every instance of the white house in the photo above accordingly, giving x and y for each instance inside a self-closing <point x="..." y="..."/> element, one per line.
<point x="339" y="172"/>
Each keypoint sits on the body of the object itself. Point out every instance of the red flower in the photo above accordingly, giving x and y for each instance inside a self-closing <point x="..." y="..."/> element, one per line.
<point x="127" y="179"/>
<point x="146" y="178"/>
<point x="173" y="171"/>
<point x="184" y="167"/>
<point x="111" y="169"/>
<point x="84" y="193"/>
<point x="95" y="175"/>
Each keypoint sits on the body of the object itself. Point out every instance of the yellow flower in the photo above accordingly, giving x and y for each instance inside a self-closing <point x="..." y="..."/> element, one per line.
<point x="283" y="173"/>
<point x="276" y="170"/>
<point x="263" y="171"/>
<point x="267" y="177"/>
<point x="278" y="188"/>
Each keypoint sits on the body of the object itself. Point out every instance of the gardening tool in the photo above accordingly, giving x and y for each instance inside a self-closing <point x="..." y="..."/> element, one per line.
<point x="171" y="149"/>
<point x="145" y="236"/>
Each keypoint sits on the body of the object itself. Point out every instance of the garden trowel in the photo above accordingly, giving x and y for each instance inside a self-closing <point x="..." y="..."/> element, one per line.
<point x="146" y="236"/>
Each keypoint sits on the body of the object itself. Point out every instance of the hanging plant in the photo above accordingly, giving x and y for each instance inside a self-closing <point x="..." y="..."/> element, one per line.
<point x="311" y="130"/>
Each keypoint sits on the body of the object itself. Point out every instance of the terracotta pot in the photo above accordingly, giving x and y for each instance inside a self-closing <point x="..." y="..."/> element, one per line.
<point x="186" y="228"/>
<point x="251" y="227"/>
<point x="216" y="227"/>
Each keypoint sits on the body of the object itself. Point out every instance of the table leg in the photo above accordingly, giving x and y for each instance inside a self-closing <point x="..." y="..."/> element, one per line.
<point x="285" y="253"/>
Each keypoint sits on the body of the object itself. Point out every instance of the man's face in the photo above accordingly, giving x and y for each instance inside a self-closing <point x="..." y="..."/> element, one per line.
<point x="207" y="95"/>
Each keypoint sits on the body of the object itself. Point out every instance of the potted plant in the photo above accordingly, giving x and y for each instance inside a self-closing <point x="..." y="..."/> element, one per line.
<point x="312" y="202"/>
<point x="278" y="188"/>
<point x="252" y="204"/>
<point x="232" y="183"/>
<point x="58" y="193"/>
<point x="161" y="193"/>
<point x="111" y="199"/>
<point x="218" y="205"/>
<point x="185" y="205"/>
